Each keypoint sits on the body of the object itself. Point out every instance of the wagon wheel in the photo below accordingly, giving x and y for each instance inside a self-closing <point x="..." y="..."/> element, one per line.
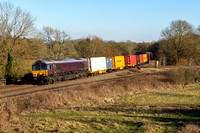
<point x="63" y="78"/>
<point x="51" y="81"/>
<point x="78" y="76"/>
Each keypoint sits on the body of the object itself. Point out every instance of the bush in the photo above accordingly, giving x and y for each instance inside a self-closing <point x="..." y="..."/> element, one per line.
<point x="183" y="75"/>
<point x="192" y="74"/>
<point x="190" y="128"/>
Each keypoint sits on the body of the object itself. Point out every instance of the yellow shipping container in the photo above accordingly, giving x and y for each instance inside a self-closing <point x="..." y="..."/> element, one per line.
<point x="119" y="62"/>
<point x="145" y="57"/>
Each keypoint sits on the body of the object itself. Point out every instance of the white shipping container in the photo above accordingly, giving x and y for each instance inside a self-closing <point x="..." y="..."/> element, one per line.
<point x="97" y="64"/>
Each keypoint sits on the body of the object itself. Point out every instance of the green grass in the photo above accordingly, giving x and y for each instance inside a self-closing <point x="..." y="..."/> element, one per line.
<point x="178" y="97"/>
<point x="124" y="116"/>
<point x="110" y="120"/>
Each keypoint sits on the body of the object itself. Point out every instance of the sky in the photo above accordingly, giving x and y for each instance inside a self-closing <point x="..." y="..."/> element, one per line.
<point x="117" y="20"/>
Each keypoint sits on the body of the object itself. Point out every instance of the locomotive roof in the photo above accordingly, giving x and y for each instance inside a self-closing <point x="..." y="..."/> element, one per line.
<point x="61" y="61"/>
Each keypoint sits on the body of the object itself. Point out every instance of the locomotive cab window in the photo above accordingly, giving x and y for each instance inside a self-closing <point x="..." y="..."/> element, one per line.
<point x="43" y="67"/>
<point x="49" y="67"/>
<point x="36" y="67"/>
<point x="39" y="67"/>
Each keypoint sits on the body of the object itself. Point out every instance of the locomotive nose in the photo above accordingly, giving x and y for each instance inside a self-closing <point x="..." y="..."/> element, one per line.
<point x="39" y="73"/>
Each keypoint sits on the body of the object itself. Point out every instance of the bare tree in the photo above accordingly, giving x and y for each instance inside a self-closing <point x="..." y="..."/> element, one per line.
<point x="198" y="30"/>
<point x="176" y="40"/>
<point x="60" y="38"/>
<point x="56" y="39"/>
<point x="48" y="33"/>
<point x="14" y="24"/>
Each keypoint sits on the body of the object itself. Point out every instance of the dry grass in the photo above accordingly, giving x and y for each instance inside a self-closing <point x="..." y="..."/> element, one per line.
<point x="184" y="75"/>
<point x="95" y="94"/>
<point x="190" y="128"/>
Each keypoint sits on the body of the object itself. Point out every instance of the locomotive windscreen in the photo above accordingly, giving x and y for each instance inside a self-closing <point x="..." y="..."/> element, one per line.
<point x="39" y="67"/>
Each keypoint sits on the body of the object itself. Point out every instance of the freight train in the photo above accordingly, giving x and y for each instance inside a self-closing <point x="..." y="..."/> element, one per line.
<point x="50" y="71"/>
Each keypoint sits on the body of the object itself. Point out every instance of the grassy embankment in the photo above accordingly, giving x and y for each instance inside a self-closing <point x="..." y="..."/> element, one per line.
<point x="159" y="102"/>
<point x="155" y="111"/>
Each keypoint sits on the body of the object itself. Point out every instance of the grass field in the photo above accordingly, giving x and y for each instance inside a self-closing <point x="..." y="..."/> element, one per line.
<point x="189" y="96"/>
<point x="173" y="110"/>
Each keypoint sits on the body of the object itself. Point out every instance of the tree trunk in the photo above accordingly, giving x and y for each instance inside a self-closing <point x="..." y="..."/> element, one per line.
<point x="9" y="68"/>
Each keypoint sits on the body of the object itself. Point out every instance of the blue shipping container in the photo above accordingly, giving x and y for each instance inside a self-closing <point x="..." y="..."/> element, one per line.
<point x="109" y="63"/>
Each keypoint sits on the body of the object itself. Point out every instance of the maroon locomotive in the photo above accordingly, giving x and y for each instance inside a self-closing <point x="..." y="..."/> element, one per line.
<point x="50" y="71"/>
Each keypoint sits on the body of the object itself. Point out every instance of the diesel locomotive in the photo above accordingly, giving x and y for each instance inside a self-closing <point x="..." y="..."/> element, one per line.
<point x="50" y="71"/>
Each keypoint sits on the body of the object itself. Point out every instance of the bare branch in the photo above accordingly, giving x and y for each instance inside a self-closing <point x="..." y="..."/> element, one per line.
<point x="14" y="23"/>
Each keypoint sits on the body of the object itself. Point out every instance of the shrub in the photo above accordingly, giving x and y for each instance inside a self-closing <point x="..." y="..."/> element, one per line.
<point x="183" y="75"/>
<point x="192" y="74"/>
<point x="190" y="128"/>
<point x="182" y="62"/>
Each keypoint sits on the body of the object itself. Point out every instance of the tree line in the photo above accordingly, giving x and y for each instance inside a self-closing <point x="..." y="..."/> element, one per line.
<point x="21" y="41"/>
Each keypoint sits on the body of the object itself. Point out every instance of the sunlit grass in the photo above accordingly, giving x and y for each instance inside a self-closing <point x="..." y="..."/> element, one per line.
<point x="189" y="96"/>
<point x="112" y="120"/>
<point x="122" y="115"/>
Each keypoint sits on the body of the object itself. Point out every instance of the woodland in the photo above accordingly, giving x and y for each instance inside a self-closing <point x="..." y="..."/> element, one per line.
<point x="21" y="43"/>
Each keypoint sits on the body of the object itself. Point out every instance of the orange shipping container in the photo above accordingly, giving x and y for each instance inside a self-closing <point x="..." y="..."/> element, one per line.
<point x="130" y="60"/>
<point x="141" y="58"/>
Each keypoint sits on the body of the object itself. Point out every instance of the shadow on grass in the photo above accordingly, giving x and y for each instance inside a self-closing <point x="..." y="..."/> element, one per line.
<point x="183" y="114"/>
<point x="26" y="79"/>
<point x="129" y="118"/>
<point x="194" y="112"/>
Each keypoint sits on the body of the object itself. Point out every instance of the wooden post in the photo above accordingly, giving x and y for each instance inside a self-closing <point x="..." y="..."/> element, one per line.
<point x="157" y="64"/>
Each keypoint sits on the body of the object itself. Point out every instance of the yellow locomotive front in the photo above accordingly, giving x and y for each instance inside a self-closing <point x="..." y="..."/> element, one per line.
<point x="39" y="71"/>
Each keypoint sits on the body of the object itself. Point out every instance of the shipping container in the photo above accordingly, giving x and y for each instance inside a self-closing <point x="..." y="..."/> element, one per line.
<point x="137" y="59"/>
<point x="148" y="56"/>
<point x="130" y="60"/>
<point x="119" y="62"/>
<point x="97" y="64"/>
<point x="110" y="63"/>
<point x="127" y="60"/>
<point x="133" y="60"/>
<point x="145" y="58"/>
<point x="141" y="58"/>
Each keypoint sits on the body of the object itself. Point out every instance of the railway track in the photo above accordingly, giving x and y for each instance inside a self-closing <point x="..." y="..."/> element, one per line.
<point x="31" y="89"/>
